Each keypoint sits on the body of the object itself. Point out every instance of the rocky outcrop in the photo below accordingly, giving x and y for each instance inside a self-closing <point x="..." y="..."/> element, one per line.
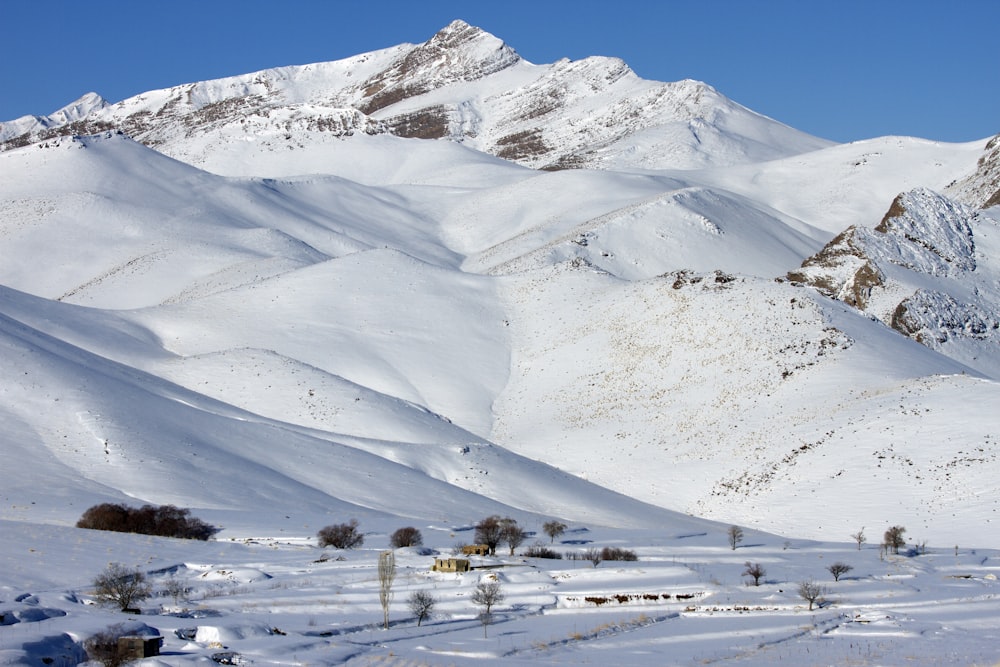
<point x="981" y="189"/>
<point x="917" y="272"/>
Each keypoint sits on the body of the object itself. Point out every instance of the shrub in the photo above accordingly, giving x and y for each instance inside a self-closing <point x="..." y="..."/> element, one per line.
<point x="122" y="586"/>
<point x="103" y="646"/>
<point x="541" y="551"/>
<point x="617" y="553"/>
<point x="162" y="520"/>
<point x="406" y="537"/>
<point x="341" y="536"/>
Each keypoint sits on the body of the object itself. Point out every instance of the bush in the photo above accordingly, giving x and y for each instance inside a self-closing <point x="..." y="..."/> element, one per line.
<point x="617" y="553"/>
<point x="121" y="585"/>
<point x="341" y="536"/>
<point x="406" y="537"/>
<point x="541" y="551"/>
<point x="103" y="646"/>
<point x="162" y="520"/>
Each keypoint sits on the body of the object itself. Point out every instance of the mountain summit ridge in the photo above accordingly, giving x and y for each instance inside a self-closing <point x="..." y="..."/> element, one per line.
<point x="463" y="84"/>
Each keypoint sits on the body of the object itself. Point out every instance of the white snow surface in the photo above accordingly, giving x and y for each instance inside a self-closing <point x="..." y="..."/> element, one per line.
<point x="283" y="325"/>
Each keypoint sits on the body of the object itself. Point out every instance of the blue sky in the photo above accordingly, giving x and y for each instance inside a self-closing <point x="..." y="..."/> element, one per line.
<point x="843" y="70"/>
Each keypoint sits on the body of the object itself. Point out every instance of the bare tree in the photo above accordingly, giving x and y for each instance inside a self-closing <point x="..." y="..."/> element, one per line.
<point x="121" y="585"/>
<point x="512" y="534"/>
<point x="594" y="555"/>
<point x="487" y="595"/>
<point x="553" y="529"/>
<point x="811" y="592"/>
<point x="421" y="604"/>
<point x="386" y="575"/>
<point x="489" y="531"/>
<point x="406" y="537"/>
<point x="341" y="536"/>
<point x="754" y="570"/>
<point x="176" y="589"/>
<point x="735" y="534"/>
<point x="839" y="569"/>
<point x="859" y="537"/>
<point x="893" y="538"/>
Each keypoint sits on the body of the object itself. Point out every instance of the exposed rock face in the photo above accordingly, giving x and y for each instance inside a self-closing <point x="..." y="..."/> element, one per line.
<point x="916" y="271"/>
<point x="842" y="269"/>
<point x="464" y="85"/>
<point x="982" y="188"/>
<point x="459" y="52"/>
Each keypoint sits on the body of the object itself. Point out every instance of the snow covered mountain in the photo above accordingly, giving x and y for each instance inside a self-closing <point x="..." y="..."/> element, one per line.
<point x="439" y="281"/>
<point x="463" y="84"/>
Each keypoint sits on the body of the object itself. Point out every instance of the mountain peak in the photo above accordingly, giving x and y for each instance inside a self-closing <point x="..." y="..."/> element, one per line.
<point x="457" y="52"/>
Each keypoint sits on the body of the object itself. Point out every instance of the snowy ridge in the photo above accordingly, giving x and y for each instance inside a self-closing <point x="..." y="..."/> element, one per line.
<point x="920" y="271"/>
<point x="71" y="113"/>
<point x="463" y="84"/>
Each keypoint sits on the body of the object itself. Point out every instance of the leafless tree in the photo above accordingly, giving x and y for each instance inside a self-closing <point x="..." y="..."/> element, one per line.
<point x="487" y="595"/>
<point x="735" y="534"/>
<point x="386" y="575"/>
<point x="893" y="538"/>
<point x="594" y="555"/>
<point x="512" y="534"/>
<point x="421" y="604"/>
<point x="859" y="537"/>
<point x="176" y="589"/>
<point x="839" y="569"/>
<point x="489" y="531"/>
<point x="811" y="592"/>
<point x="755" y="571"/>
<point x="121" y="585"/>
<point x="553" y="529"/>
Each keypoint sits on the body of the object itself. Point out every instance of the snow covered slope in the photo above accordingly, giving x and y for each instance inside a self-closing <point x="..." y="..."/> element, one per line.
<point x="322" y="291"/>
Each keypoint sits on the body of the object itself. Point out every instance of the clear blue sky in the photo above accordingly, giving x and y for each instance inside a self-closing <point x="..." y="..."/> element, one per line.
<point x="843" y="70"/>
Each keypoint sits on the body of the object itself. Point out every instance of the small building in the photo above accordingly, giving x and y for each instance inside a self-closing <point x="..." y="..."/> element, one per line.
<point x="451" y="565"/>
<point x="476" y="550"/>
<point x="137" y="648"/>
